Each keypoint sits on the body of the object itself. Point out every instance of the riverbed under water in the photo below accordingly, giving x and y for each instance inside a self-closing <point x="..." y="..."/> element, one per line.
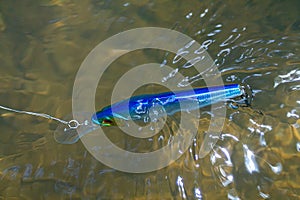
<point x="42" y="45"/>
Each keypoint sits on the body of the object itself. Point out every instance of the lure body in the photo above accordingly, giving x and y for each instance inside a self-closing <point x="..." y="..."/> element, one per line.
<point x="138" y="107"/>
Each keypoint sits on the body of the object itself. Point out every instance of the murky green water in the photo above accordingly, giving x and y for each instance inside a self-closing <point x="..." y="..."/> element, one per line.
<point x="42" y="45"/>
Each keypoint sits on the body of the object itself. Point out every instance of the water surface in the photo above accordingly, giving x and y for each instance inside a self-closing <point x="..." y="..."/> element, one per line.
<point x="43" y="44"/>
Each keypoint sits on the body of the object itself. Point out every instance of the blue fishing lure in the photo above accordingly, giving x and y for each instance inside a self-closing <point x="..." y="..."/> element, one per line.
<point x="137" y="107"/>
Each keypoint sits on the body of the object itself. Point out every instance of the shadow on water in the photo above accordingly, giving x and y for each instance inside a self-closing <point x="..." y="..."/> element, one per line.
<point x="43" y="44"/>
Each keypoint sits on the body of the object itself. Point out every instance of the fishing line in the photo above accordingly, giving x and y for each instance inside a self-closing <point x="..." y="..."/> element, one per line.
<point x="66" y="132"/>
<point x="72" y="124"/>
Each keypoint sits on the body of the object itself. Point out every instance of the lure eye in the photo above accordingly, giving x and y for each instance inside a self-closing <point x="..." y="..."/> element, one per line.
<point x="108" y="122"/>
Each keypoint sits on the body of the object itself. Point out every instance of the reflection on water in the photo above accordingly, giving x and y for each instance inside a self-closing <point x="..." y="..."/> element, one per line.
<point x="43" y="44"/>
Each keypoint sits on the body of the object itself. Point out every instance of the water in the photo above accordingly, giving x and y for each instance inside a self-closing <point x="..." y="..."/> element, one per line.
<point x="43" y="44"/>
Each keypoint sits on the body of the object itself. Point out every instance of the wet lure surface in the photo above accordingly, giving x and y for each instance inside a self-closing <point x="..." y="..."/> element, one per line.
<point x="137" y="107"/>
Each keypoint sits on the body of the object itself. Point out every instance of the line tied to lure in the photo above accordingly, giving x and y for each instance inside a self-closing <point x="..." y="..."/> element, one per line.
<point x="72" y="124"/>
<point x="70" y="131"/>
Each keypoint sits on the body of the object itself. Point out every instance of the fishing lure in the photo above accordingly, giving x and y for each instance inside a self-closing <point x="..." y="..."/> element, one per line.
<point x="137" y="107"/>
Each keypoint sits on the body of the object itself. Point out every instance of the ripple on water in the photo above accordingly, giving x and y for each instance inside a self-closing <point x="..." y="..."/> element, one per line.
<point x="257" y="155"/>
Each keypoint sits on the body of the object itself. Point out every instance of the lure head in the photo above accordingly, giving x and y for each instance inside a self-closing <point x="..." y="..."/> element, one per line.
<point x="103" y="120"/>
<point x="106" y="117"/>
<point x="107" y="121"/>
